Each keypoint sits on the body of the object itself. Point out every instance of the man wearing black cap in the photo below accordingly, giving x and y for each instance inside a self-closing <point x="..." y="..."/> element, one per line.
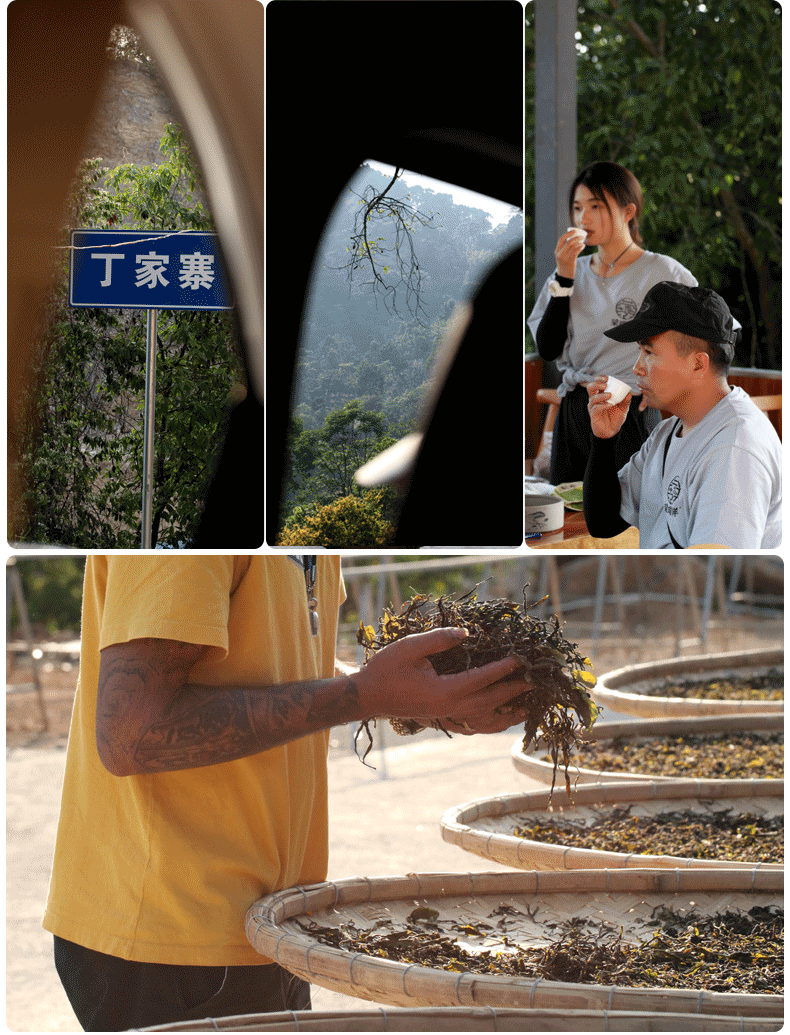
<point x="710" y="476"/>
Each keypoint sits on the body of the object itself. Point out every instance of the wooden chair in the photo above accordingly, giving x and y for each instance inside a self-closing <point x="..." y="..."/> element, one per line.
<point x="549" y="398"/>
<point x="771" y="405"/>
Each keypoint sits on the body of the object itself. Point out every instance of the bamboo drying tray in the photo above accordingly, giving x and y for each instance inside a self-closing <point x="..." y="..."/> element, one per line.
<point x="625" y="898"/>
<point x="639" y="729"/>
<point x="457" y="1018"/>
<point x="485" y="826"/>
<point x="626" y="689"/>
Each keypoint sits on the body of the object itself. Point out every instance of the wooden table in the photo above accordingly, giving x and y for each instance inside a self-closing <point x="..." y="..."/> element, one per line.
<point x="574" y="536"/>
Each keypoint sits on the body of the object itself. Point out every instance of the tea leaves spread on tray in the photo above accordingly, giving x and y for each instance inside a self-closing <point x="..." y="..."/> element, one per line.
<point x="752" y="687"/>
<point x="715" y="834"/>
<point x="555" y="669"/>
<point x="726" y="952"/>
<point x="721" y="755"/>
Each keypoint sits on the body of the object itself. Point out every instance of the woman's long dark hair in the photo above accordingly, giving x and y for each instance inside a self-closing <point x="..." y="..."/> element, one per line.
<point x="619" y="182"/>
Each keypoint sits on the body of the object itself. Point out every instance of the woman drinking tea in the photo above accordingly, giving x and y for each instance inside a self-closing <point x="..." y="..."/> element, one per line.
<point x="587" y="295"/>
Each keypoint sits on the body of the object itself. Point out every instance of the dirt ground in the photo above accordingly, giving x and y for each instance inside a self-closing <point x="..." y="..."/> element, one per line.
<point x="382" y="821"/>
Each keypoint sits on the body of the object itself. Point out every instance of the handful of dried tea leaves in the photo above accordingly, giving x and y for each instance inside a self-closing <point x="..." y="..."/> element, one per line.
<point x="556" y="671"/>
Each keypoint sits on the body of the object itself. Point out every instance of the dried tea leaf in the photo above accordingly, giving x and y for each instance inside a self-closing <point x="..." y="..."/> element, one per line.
<point x="423" y="913"/>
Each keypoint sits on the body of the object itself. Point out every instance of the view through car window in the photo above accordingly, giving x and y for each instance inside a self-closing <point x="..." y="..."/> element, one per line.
<point x="398" y="254"/>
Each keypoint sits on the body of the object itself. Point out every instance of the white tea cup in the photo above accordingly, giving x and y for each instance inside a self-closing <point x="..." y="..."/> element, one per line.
<point x="619" y="390"/>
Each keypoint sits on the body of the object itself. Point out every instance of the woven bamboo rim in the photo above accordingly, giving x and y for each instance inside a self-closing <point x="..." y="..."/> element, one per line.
<point x="624" y="898"/>
<point x="624" y="690"/>
<point x="534" y="767"/>
<point x="485" y="826"/>
<point x="456" y="1018"/>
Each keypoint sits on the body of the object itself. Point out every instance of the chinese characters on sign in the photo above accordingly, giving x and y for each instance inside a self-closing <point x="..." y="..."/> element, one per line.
<point x="147" y="269"/>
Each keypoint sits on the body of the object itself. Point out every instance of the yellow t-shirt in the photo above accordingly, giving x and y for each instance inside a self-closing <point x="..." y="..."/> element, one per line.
<point x="162" y="868"/>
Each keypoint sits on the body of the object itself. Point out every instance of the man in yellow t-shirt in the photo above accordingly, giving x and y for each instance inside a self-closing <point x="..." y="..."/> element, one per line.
<point x="196" y="772"/>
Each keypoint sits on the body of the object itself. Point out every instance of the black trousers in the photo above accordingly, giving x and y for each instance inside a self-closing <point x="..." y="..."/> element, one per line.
<point x="112" y="994"/>
<point x="572" y="437"/>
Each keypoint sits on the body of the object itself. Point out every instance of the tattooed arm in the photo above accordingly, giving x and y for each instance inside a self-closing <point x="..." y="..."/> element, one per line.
<point x="150" y="718"/>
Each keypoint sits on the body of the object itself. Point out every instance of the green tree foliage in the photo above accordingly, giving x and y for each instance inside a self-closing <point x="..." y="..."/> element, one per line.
<point x="352" y="522"/>
<point x="83" y="457"/>
<point x="351" y="437"/>
<point x="52" y="588"/>
<point x="688" y="96"/>
<point x="388" y="376"/>
<point x="323" y="461"/>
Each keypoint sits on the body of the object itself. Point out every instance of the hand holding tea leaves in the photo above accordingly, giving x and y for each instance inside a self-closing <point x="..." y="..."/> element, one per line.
<point x="401" y="682"/>
<point x="552" y="684"/>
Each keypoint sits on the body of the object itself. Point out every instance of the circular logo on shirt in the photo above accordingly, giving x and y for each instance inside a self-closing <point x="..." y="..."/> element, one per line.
<point x="673" y="490"/>
<point x="626" y="309"/>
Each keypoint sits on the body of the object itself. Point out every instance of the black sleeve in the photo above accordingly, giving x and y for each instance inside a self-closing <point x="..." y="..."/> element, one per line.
<point x="602" y="496"/>
<point x="553" y="327"/>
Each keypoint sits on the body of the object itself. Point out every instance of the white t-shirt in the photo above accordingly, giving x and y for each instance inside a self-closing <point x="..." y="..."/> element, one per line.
<point x="721" y="482"/>
<point x="600" y="303"/>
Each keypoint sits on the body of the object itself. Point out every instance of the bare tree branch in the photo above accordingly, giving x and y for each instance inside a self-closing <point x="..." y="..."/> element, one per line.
<point x="392" y="266"/>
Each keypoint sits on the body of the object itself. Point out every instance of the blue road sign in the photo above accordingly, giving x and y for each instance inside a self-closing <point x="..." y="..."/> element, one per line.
<point x="147" y="269"/>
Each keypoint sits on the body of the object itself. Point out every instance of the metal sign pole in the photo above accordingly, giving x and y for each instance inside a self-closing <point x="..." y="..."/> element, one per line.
<point x="151" y="270"/>
<point x="148" y="427"/>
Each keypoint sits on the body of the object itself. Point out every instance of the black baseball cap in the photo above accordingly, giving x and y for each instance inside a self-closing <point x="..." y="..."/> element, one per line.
<point x="668" y="306"/>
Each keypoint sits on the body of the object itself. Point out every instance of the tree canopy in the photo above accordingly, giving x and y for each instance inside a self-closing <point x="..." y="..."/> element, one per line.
<point x="687" y="96"/>
<point x="350" y="521"/>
